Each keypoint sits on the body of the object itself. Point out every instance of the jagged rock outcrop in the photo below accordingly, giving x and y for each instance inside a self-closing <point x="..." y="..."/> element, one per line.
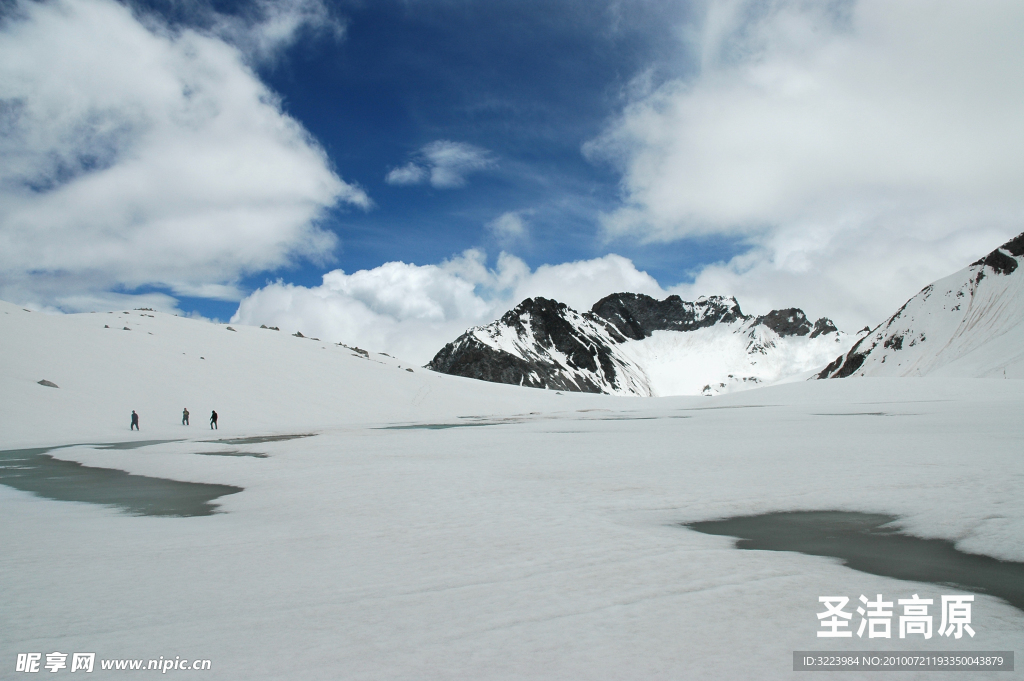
<point x="823" y="325"/>
<point x="788" y="322"/>
<point x="636" y="315"/>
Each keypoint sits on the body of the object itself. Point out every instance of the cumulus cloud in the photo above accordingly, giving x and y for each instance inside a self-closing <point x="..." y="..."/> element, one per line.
<point x="862" y="149"/>
<point x="411" y="311"/>
<point x="582" y="283"/>
<point x="136" y="155"/>
<point x="445" y="164"/>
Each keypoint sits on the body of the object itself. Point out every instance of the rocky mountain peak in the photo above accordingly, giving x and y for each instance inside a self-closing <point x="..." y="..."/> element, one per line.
<point x="543" y="343"/>
<point x="1000" y="259"/>
<point x="788" y="322"/>
<point x="636" y="315"/>
<point x="556" y="326"/>
<point x="822" y="326"/>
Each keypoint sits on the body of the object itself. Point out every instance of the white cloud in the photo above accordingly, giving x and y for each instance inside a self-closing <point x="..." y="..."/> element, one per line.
<point x="450" y="162"/>
<point x="863" y="149"/>
<point x="136" y="155"/>
<point x="210" y="291"/>
<point x="270" y="25"/>
<point x="509" y="228"/>
<point x="412" y="311"/>
<point x="410" y="173"/>
<point x="582" y="283"/>
<point x="102" y="301"/>
<point x="444" y="163"/>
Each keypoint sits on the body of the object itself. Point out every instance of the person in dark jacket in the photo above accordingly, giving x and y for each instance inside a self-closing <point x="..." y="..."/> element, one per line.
<point x="213" y="421"/>
<point x="135" y="421"/>
<point x="184" y="416"/>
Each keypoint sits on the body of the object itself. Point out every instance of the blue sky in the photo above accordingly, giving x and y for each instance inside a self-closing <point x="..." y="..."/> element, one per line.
<point x="529" y="82"/>
<point x="389" y="173"/>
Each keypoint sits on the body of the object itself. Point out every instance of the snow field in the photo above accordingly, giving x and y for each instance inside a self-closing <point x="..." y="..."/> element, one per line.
<point x="545" y="547"/>
<point x="668" y="358"/>
<point x="260" y="381"/>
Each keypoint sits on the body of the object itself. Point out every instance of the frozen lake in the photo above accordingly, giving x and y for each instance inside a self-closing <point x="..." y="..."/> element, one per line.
<point x="35" y="470"/>
<point x="871" y="543"/>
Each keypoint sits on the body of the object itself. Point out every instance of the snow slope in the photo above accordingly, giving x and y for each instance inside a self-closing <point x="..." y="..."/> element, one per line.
<point x="257" y="379"/>
<point x="727" y="357"/>
<point x="543" y="542"/>
<point x="969" y="324"/>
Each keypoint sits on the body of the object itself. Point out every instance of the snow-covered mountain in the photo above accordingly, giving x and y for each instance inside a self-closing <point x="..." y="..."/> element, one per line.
<point x="632" y="344"/>
<point x="969" y="324"/>
<point x="545" y="344"/>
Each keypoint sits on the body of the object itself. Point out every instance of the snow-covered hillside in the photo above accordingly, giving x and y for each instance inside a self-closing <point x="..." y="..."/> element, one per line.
<point x="632" y="344"/>
<point x="969" y="324"/>
<point x="437" y="527"/>
<point x="107" y="364"/>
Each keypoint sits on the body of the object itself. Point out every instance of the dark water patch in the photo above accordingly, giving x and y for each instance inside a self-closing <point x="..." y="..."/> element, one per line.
<point x="905" y="401"/>
<point x="34" y="470"/>
<point x="235" y="452"/>
<point x="258" y="439"/>
<point x="869" y="543"/>
<point x="513" y="421"/>
<point x="860" y="413"/>
<point x="441" y="426"/>
<point x="637" y="418"/>
<point x="124" y="445"/>
<point x="731" y="406"/>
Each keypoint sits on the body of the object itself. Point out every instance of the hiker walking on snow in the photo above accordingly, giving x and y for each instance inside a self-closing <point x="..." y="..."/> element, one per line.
<point x="135" y="421"/>
<point x="184" y="416"/>
<point x="213" y="421"/>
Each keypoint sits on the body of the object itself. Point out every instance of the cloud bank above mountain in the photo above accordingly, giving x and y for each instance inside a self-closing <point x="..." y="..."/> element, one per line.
<point x="136" y="154"/>
<point x="411" y="311"/>
<point x="861" y="149"/>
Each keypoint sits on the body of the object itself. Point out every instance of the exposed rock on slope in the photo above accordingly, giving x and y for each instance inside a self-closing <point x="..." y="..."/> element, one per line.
<point x="544" y="344"/>
<point x="968" y="324"/>
<point x="636" y="316"/>
<point x="633" y="344"/>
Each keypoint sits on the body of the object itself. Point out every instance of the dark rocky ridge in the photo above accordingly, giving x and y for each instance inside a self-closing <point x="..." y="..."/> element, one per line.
<point x="789" y="322"/>
<point x="823" y="325"/>
<point x="551" y="330"/>
<point x="1000" y="262"/>
<point x="636" y="315"/>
